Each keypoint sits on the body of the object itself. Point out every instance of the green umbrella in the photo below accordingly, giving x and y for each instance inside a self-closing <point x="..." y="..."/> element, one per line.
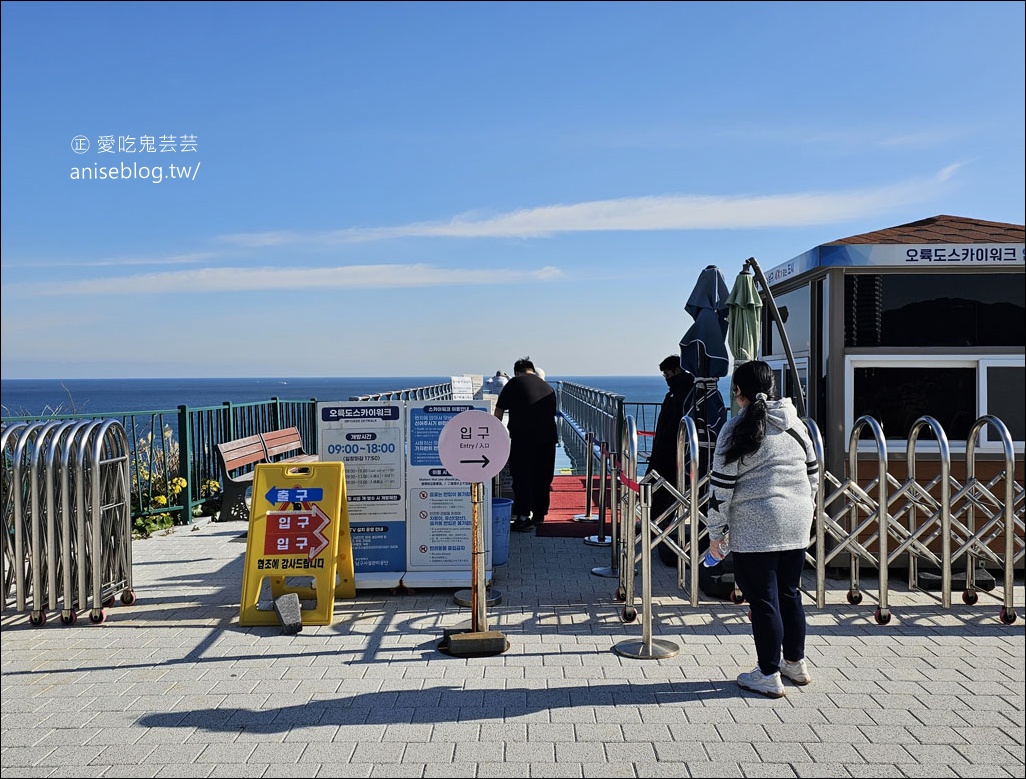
<point x="744" y="312"/>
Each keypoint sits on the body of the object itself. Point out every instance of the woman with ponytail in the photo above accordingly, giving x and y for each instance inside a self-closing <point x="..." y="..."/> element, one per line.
<point x="763" y="491"/>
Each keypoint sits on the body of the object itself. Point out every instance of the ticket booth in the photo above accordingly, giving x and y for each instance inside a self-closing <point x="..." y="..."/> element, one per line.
<point x="926" y="318"/>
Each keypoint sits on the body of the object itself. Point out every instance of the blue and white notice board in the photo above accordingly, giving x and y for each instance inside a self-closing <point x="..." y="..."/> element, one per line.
<point x="409" y="518"/>
<point x="439" y="540"/>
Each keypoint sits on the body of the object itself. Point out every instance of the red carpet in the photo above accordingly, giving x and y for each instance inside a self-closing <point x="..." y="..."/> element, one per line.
<point x="567" y="500"/>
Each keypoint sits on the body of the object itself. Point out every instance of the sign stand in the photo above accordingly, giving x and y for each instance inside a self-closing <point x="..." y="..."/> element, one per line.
<point x="479" y="621"/>
<point x="474" y="445"/>
<point x="479" y="590"/>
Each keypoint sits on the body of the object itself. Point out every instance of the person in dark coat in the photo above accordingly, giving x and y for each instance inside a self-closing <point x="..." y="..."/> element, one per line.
<point x="531" y="403"/>
<point x="663" y="458"/>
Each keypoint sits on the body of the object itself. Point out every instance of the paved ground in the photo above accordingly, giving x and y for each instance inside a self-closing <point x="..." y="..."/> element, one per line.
<point x="172" y="686"/>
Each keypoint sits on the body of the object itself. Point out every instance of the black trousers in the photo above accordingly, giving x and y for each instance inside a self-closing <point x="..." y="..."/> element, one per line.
<point x="770" y="581"/>
<point x="531" y="469"/>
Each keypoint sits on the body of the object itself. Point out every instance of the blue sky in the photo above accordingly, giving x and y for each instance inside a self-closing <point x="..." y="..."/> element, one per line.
<point x="393" y="189"/>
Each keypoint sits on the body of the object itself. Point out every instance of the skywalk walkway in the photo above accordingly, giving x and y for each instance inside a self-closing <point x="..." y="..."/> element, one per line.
<point x="172" y="686"/>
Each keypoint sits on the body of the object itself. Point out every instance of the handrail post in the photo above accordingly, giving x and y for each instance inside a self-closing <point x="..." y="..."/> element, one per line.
<point x="185" y="460"/>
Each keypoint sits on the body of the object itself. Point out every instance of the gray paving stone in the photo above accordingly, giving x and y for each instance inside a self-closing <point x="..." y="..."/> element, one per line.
<point x="370" y="695"/>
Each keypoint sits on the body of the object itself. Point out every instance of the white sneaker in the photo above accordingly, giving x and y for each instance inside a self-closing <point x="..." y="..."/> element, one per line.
<point x="756" y="681"/>
<point x="797" y="672"/>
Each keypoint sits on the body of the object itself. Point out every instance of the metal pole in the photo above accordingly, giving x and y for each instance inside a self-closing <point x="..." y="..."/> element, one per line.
<point x="648" y="648"/>
<point x="589" y="476"/>
<point x="775" y="313"/>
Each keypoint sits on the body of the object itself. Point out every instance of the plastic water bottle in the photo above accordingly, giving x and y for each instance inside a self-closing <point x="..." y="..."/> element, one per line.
<point x="710" y="560"/>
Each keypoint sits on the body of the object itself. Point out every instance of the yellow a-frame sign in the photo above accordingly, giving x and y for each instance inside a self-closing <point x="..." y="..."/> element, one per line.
<point x="298" y="532"/>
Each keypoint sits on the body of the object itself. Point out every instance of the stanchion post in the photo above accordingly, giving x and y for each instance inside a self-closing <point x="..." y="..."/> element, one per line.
<point x="600" y="539"/>
<point x="589" y="476"/>
<point x="648" y="648"/>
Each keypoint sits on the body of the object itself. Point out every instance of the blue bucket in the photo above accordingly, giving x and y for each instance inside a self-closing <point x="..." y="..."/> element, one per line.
<point x="502" y="510"/>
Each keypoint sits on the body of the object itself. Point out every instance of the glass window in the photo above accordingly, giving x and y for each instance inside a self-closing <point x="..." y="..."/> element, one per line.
<point x="897" y="397"/>
<point x="896" y="391"/>
<point x="794" y="308"/>
<point x="936" y="309"/>
<point x="784" y="383"/>
<point x="1004" y="393"/>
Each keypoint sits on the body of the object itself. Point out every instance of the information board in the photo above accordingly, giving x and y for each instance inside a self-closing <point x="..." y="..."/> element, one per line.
<point x="462" y="387"/>
<point x="439" y="543"/>
<point x="370" y="438"/>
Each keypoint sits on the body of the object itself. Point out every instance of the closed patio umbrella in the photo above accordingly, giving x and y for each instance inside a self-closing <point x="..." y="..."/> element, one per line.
<point x="703" y="349"/>
<point x="744" y="314"/>
<point x="703" y="352"/>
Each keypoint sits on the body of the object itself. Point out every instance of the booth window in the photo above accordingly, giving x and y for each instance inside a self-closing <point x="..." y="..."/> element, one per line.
<point x="897" y="396"/>
<point x="795" y="313"/>
<point x="898" y="390"/>
<point x="936" y="309"/>
<point x="1003" y="389"/>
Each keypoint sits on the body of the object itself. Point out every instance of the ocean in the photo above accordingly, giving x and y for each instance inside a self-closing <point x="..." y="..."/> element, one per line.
<point x="42" y="397"/>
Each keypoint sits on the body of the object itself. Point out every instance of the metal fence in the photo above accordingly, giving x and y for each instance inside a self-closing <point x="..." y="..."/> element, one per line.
<point x="67" y="530"/>
<point x="869" y="519"/>
<point x="172" y="453"/>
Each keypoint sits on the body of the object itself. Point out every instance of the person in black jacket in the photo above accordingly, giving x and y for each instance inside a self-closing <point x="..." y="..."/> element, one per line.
<point x="663" y="458"/>
<point x="531" y="402"/>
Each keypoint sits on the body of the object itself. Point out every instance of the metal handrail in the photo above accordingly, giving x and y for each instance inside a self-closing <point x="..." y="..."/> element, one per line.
<point x="183" y="441"/>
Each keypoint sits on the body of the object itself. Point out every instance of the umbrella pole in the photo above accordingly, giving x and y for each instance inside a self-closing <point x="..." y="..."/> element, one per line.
<point x="775" y="313"/>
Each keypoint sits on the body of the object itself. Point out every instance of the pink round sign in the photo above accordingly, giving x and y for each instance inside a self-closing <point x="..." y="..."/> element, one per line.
<point x="473" y="446"/>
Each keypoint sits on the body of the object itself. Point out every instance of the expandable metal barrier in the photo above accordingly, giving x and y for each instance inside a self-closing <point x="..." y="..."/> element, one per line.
<point x="899" y="518"/>
<point x="67" y="518"/>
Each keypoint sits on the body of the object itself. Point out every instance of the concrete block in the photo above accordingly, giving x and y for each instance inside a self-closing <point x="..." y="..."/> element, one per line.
<point x="470" y="644"/>
<point x="290" y="613"/>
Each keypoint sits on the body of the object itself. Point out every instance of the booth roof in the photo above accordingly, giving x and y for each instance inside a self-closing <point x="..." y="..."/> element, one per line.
<point x="943" y="229"/>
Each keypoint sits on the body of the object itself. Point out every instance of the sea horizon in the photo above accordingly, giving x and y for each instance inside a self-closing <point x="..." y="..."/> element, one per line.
<point x="41" y="397"/>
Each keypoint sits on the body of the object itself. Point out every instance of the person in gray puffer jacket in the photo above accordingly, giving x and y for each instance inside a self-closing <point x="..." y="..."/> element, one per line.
<point x="763" y="492"/>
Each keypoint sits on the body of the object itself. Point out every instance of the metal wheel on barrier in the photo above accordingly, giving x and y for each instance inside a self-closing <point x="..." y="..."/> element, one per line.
<point x="854" y="597"/>
<point x="881" y="617"/>
<point x="69" y="617"/>
<point x="970" y="597"/>
<point x="98" y="616"/>
<point x="1008" y="616"/>
<point x="629" y="614"/>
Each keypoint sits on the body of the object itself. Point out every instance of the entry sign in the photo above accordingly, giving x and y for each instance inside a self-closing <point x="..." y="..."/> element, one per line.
<point x="473" y="446"/>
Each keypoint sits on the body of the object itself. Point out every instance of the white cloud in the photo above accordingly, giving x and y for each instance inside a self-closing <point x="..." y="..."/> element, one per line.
<point x="653" y="213"/>
<point x="190" y="258"/>
<point x="268" y="278"/>
<point x="658" y="212"/>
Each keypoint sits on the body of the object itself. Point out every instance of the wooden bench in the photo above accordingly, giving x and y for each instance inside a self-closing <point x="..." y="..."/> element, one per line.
<point x="238" y="459"/>
<point x="286" y="446"/>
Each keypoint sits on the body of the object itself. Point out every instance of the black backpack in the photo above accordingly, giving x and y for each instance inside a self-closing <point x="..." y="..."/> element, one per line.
<point x="717" y="581"/>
